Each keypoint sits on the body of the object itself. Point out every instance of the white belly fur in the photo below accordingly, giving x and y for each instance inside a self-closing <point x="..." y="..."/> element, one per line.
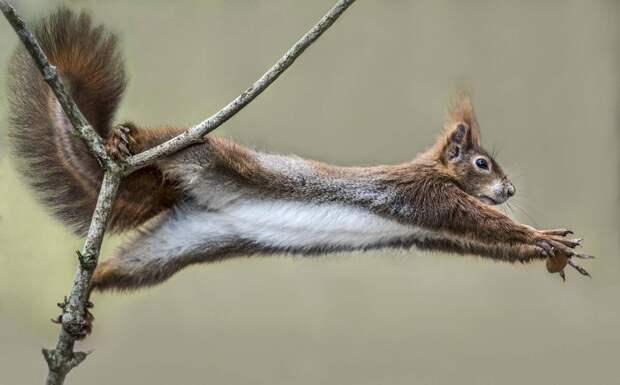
<point x="281" y="225"/>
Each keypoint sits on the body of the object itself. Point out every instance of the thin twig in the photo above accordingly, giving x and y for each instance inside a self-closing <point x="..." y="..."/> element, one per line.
<point x="197" y="132"/>
<point x="62" y="359"/>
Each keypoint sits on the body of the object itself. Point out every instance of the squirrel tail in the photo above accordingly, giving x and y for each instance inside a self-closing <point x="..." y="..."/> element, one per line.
<point x="54" y="161"/>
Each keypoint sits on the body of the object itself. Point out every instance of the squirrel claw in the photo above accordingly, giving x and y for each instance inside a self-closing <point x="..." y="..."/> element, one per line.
<point x="561" y="273"/>
<point x="584" y="256"/>
<point x="542" y="251"/>
<point x="118" y="142"/>
<point x="547" y="247"/>
<point x="78" y="328"/>
<point x="562" y="252"/>
<point x="81" y="328"/>
<point x="558" y="232"/>
<point x="572" y="243"/>
<point x="580" y="269"/>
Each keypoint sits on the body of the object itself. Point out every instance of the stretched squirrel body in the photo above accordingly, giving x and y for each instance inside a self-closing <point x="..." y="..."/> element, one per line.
<point x="217" y="199"/>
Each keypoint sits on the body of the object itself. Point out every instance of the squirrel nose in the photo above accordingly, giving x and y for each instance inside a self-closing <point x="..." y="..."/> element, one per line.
<point x="510" y="190"/>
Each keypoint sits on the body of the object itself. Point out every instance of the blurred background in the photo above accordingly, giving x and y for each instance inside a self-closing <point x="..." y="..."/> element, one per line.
<point x="545" y="79"/>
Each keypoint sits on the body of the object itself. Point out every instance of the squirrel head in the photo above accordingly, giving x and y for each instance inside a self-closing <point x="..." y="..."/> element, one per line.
<point x="466" y="161"/>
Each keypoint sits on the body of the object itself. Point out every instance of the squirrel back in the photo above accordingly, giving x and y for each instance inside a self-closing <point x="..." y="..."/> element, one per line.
<point x="54" y="161"/>
<point x="217" y="200"/>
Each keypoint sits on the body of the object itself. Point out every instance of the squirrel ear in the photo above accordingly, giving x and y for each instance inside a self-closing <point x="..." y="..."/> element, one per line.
<point x="456" y="143"/>
<point x="462" y="113"/>
<point x="459" y="135"/>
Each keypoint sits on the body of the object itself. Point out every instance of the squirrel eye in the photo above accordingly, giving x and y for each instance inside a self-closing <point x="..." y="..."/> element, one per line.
<point x="482" y="163"/>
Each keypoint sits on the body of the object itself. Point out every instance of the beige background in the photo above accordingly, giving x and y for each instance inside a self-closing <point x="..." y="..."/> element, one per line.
<point x="545" y="78"/>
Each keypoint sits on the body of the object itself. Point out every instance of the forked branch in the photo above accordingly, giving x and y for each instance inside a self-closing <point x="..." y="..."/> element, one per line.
<point x="63" y="358"/>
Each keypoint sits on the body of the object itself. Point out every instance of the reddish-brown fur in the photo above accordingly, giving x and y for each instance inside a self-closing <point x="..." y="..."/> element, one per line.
<point x="440" y="190"/>
<point x="57" y="164"/>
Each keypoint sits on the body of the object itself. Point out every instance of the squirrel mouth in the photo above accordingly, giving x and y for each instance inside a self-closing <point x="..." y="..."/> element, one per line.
<point x="488" y="200"/>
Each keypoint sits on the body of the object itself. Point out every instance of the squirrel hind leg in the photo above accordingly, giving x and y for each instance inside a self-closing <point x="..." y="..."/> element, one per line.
<point x="151" y="257"/>
<point x="123" y="273"/>
<point x="176" y="238"/>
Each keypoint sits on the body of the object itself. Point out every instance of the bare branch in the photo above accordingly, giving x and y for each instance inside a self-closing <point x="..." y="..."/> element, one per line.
<point x="75" y="318"/>
<point x="197" y="132"/>
<point x="83" y="129"/>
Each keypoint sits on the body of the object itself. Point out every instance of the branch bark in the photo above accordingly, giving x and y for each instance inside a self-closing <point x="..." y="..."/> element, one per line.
<point x="74" y="318"/>
<point x="195" y="133"/>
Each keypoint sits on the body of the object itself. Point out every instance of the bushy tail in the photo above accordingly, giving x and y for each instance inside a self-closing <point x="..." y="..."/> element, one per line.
<point x="55" y="162"/>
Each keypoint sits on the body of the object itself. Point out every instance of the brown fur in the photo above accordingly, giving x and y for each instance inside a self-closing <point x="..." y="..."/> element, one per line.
<point x="442" y="190"/>
<point x="426" y="192"/>
<point x="57" y="164"/>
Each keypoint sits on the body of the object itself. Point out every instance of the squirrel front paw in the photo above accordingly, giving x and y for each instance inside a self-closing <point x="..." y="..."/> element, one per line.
<point x="560" y="250"/>
<point x="119" y="142"/>
<point x="79" y="328"/>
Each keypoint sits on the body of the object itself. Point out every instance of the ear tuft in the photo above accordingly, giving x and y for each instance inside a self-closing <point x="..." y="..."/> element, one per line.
<point x="460" y="133"/>
<point x="461" y="113"/>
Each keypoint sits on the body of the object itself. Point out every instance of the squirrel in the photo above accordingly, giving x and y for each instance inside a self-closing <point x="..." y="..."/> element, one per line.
<point x="218" y="199"/>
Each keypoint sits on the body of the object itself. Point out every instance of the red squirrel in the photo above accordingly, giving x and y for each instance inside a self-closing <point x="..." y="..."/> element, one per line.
<point x="218" y="199"/>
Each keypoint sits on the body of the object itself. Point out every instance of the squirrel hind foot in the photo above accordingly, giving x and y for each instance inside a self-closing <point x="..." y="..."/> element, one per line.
<point x="120" y="141"/>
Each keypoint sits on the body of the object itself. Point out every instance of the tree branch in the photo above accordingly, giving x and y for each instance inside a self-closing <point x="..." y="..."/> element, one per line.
<point x="195" y="133"/>
<point x="74" y="319"/>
